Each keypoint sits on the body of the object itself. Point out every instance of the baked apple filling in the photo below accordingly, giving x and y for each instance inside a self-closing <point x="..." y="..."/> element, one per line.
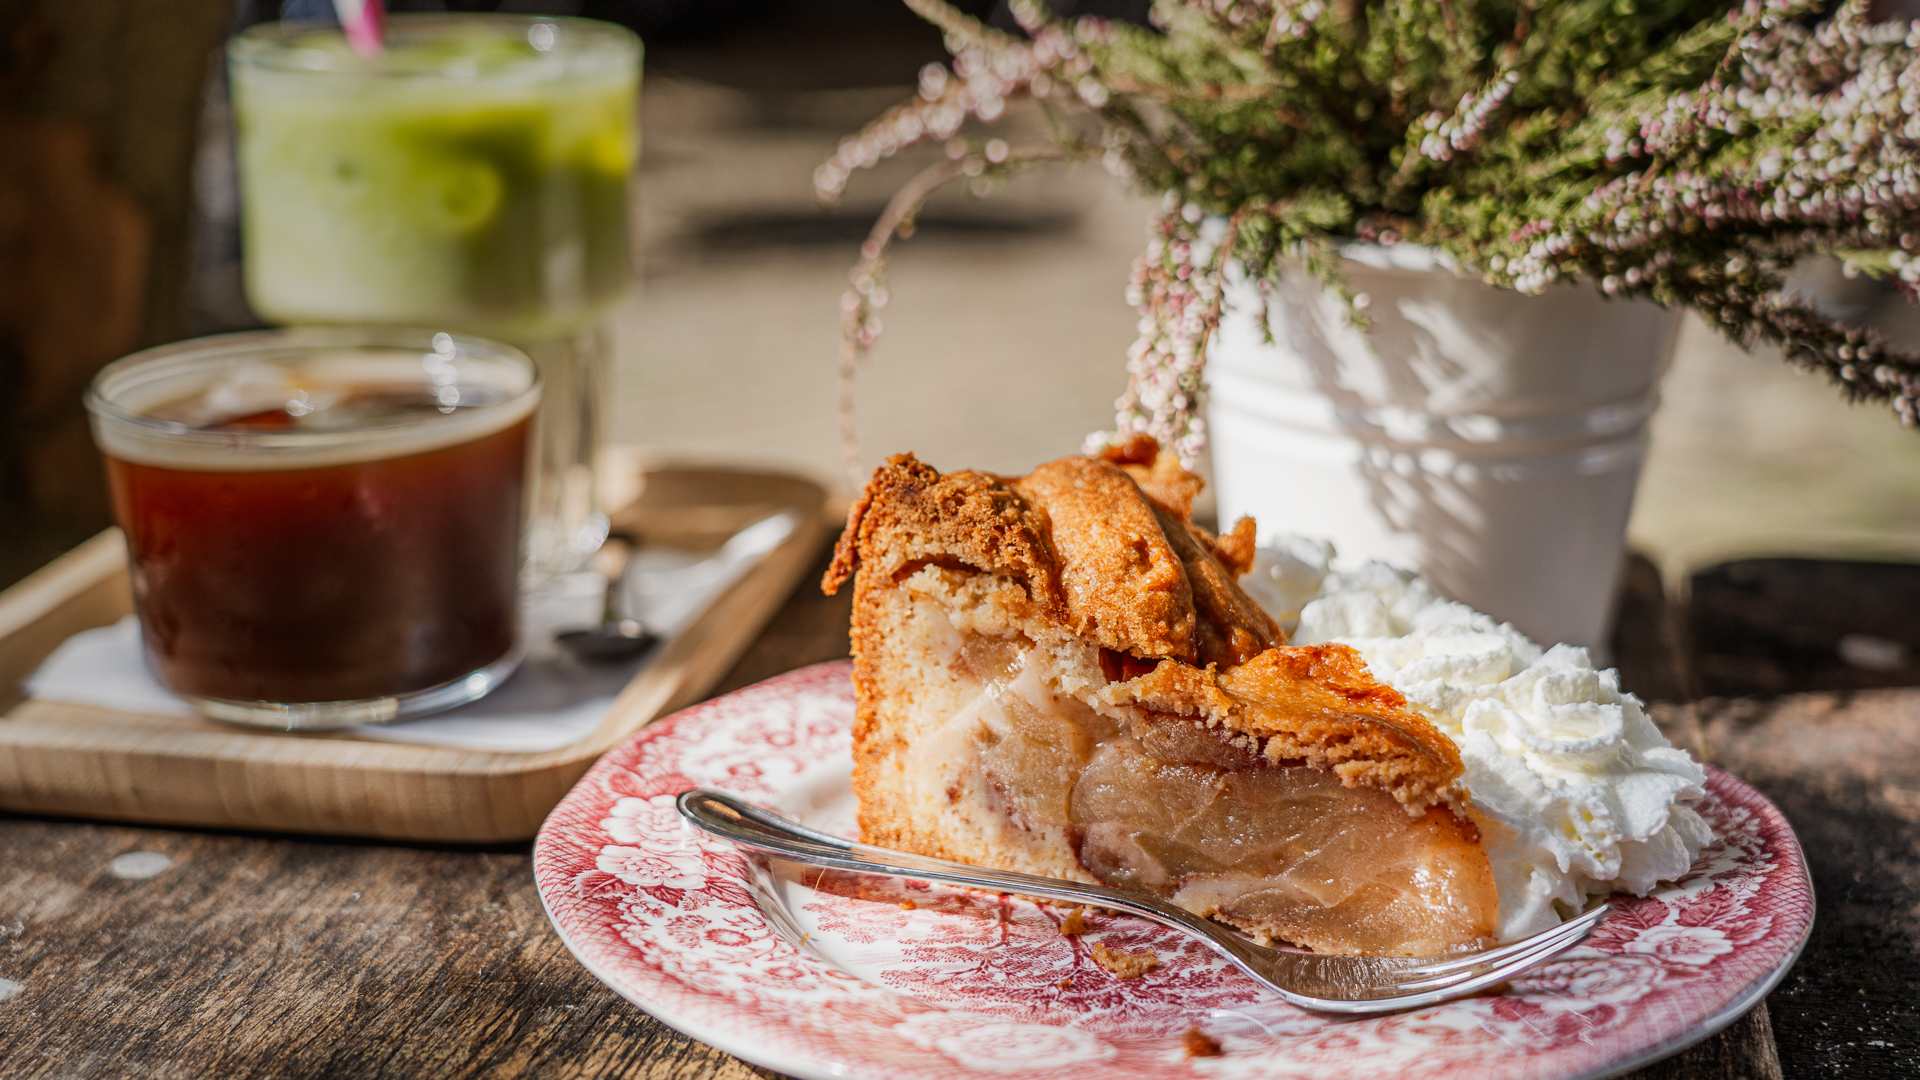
<point x="1287" y="852"/>
<point x="1164" y="804"/>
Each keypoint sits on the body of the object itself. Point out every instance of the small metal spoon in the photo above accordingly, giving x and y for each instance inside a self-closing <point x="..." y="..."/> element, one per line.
<point x="618" y="637"/>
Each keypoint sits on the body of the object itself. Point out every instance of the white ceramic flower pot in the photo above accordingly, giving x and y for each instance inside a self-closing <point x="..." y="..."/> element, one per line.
<point x="1488" y="439"/>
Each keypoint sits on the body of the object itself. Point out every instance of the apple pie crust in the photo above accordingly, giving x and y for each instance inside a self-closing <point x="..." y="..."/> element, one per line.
<point x="1059" y="674"/>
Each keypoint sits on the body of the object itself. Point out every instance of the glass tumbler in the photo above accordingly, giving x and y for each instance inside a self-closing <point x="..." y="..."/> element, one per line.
<point x="324" y="526"/>
<point x="473" y="178"/>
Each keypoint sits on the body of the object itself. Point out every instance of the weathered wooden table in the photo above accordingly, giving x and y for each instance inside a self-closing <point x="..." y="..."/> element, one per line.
<point x="275" y="956"/>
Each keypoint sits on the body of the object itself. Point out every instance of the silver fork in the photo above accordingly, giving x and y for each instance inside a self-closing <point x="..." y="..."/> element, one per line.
<point x="1335" y="984"/>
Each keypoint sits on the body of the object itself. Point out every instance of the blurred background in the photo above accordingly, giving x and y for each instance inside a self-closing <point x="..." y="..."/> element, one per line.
<point x="1004" y="344"/>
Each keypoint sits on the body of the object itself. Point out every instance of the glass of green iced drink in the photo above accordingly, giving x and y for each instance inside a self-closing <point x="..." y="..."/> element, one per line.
<point x="472" y="178"/>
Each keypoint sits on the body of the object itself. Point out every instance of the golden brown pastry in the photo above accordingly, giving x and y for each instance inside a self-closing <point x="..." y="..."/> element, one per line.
<point x="1059" y="674"/>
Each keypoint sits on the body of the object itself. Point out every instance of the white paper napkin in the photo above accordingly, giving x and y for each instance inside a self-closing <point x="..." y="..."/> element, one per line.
<point x="552" y="701"/>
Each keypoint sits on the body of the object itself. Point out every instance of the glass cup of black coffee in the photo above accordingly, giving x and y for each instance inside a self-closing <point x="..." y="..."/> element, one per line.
<point x="325" y="527"/>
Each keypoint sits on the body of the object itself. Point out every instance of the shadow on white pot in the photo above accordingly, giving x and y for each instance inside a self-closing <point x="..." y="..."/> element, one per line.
<point x="1488" y="439"/>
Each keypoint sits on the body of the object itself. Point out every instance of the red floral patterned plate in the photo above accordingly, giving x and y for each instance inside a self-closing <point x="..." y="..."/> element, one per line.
<point x="823" y="976"/>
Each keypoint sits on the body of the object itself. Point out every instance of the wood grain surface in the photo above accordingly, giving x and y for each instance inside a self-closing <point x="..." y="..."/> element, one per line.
<point x="266" y="956"/>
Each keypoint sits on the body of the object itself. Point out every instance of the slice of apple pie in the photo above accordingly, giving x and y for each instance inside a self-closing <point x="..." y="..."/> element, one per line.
<point x="1059" y="674"/>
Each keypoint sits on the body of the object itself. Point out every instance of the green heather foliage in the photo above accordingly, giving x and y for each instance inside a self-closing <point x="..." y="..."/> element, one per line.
<point x="1684" y="150"/>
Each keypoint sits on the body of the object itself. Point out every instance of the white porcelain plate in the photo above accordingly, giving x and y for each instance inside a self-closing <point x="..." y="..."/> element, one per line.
<point x="827" y="976"/>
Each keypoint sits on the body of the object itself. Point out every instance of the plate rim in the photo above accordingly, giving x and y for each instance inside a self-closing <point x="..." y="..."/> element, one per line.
<point x="758" y="1053"/>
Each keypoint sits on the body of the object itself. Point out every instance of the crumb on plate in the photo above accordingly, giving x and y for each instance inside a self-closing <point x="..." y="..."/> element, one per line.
<point x="1200" y="1044"/>
<point x="1124" y="965"/>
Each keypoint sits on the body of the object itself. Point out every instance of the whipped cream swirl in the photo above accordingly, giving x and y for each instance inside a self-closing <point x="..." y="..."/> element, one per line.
<point x="1575" y="791"/>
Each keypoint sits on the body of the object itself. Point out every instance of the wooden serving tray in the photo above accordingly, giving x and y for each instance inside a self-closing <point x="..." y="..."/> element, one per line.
<point x="84" y="761"/>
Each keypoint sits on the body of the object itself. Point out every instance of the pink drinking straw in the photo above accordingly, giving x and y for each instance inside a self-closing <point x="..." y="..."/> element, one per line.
<point x="362" y="19"/>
